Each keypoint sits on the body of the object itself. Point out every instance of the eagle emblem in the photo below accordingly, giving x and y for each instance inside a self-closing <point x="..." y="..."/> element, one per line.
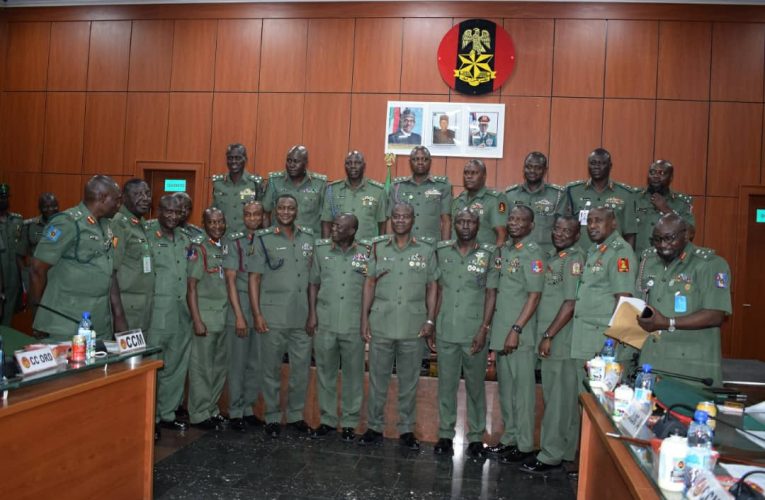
<point x="474" y="66"/>
<point x="478" y="38"/>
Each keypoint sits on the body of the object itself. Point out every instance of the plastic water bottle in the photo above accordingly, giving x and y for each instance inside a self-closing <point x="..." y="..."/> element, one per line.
<point x="644" y="383"/>
<point x="698" y="456"/>
<point x="608" y="353"/>
<point x="85" y="329"/>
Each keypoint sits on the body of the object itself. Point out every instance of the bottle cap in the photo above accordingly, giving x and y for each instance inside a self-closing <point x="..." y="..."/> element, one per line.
<point x="701" y="416"/>
<point x="609" y="342"/>
<point x="86" y="314"/>
<point x="646" y="368"/>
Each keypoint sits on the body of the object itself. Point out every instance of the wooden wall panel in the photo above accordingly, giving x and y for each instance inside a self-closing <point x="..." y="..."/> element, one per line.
<point x="721" y="237"/>
<point x="237" y="60"/>
<point x="628" y="131"/>
<point x="66" y="187"/>
<point x="738" y="52"/>
<point x="575" y="130"/>
<point x="579" y="62"/>
<point x="3" y="48"/>
<point x="278" y="116"/>
<point x="109" y="58"/>
<point x="104" y="133"/>
<point x="64" y="130"/>
<point x="68" y="61"/>
<point x="325" y="132"/>
<point x="234" y="121"/>
<point x="189" y="127"/>
<point x="699" y="212"/>
<point x="25" y="191"/>
<point x="22" y="115"/>
<point x="194" y="55"/>
<point x="533" y="39"/>
<point x="422" y="39"/>
<point x="368" y="130"/>
<point x="735" y="135"/>
<point x="684" y="54"/>
<point x="151" y="55"/>
<point x="383" y="38"/>
<point x="527" y="129"/>
<point x="145" y="128"/>
<point x="26" y="63"/>
<point x="631" y="58"/>
<point x="282" y="64"/>
<point x="329" y="62"/>
<point x="681" y="137"/>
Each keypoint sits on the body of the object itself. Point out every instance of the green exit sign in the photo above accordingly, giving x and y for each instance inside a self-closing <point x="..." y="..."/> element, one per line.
<point x="760" y="217"/>
<point x="175" y="185"/>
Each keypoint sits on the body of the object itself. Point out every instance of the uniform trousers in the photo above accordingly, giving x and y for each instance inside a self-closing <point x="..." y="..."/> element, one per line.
<point x="171" y="378"/>
<point x="407" y="355"/>
<point x="207" y="374"/>
<point x="245" y="371"/>
<point x="517" y="398"/>
<point x="560" y="423"/>
<point x="297" y="344"/>
<point x="455" y="359"/>
<point x="333" y="350"/>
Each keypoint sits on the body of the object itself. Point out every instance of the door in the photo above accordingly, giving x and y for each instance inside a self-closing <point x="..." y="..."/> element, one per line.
<point x="164" y="182"/>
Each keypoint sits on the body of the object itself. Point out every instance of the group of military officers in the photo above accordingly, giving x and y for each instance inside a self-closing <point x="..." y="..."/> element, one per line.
<point x="531" y="273"/>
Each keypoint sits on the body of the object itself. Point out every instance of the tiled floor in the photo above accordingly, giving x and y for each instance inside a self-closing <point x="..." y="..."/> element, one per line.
<point x="228" y="465"/>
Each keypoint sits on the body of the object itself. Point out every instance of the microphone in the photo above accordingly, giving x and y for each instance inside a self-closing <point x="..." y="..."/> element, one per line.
<point x="707" y="381"/>
<point x="54" y="311"/>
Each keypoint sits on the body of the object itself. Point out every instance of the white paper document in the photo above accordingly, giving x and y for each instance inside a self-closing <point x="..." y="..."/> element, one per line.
<point x="639" y="304"/>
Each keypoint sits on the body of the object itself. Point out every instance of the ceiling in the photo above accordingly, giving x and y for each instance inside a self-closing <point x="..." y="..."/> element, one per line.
<point x="59" y="3"/>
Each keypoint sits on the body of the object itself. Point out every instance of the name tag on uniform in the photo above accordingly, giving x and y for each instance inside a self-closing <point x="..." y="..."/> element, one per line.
<point x="146" y="264"/>
<point x="681" y="303"/>
<point x="583" y="217"/>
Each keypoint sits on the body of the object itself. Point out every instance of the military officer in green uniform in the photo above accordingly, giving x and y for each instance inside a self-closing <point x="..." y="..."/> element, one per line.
<point x="658" y="199"/>
<point x="560" y="422"/>
<point x="10" y="234"/>
<point x="208" y="305"/>
<point x="186" y="206"/>
<point x="546" y="200"/>
<point x="398" y="310"/>
<point x="600" y="191"/>
<point x="488" y="204"/>
<point x="72" y="269"/>
<point x="688" y="290"/>
<point x="431" y="197"/>
<point x="306" y="187"/>
<point x="232" y="190"/>
<point x="32" y="231"/>
<point x="170" y="326"/>
<point x="245" y="370"/>
<point x="278" y="283"/>
<point x="609" y="273"/>
<point x="363" y="197"/>
<point x="518" y="275"/>
<point x="465" y="311"/>
<point x="132" y="255"/>
<point x="334" y="306"/>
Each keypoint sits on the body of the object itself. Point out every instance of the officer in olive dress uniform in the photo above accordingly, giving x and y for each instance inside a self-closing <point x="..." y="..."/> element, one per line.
<point x="231" y="191"/>
<point x="278" y="283"/>
<point x="72" y="269"/>
<point x="32" y="231"/>
<point x="546" y="200"/>
<point x="488" y="204"/>
<point x="208" y="305"/>
<point x="600" y="191"/>
<point x="658" y="199"/>
<point x="688" y="290"/>
<point x="518" y="275"/>
<point x="465" y="311"/>
<point x="560" y="422"/>
<point x="609" y="273"/>
<point x="132" y="255"/>
<point x="306" y="187"/>
<point x="170" y="326"/>
<point x="186" y="205"/>
<point x="334" y="306"/>
<point x="398" y="310"/>
<point x="10" y="234"/>
<point x="363" y="197"/>
<point x="245" y="370"/>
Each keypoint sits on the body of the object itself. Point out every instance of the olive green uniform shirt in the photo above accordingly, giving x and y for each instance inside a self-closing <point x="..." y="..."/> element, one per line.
<point x="309" y="195"/>
<point x="230" y="197"/>
<point x="518" y="269"/>
<point x="430" y="200"/>
<point x="491" y="208"/>
<point x="546" y="202"/>
<point x="170" y="259"/>
<point x="399" y="308"/>
<point x="648" y="216"/>
<point x="618" y="196"/>
<point x="206" y="266"/>
<point x="79" y="249"/>
<point x="698" y="279"/>
<point x="367" y="202"/>
<point x="341" y="276"/>
<point x="31" y="232"/>
<point x="463" y="290"/>
<point x="610" y="268"/>
<point x="561" y="280"/>
<point x="284" y="266"/>
<point x="240" y="248"/>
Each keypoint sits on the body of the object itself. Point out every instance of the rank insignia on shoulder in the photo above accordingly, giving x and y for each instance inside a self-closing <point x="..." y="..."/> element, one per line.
<point x="218" y="177"/>
<point x="382" y="237"/>
<point x="623" y="265"/>
<point x="322" y="242"/>
<point x="53" y="234"/>
<point x="445" y="243"/>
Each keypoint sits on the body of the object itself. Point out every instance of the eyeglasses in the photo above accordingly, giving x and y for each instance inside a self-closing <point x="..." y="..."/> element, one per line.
<point x="666" y="239"/>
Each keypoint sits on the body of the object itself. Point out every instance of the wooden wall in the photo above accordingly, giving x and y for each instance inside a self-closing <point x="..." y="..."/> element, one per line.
<point x="88" y="90"/>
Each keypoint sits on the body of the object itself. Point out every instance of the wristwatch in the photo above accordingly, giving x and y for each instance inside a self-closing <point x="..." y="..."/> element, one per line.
<point x="430" y="322"/>
<point x="672" y="326"/>
<point x="517" y="329"/>
<point x="547" y="335"/>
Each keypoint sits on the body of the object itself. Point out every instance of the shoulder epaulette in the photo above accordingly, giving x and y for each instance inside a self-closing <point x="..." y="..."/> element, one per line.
<point x="306" y="230"/>
<point x="33" y="220"/>
<point x="531" y="244"/>
<point x="400" y="179"/>
<point x="512" y="186"/>
<point x="320" y="177"/>
<point x="575" y="183"/>
<point x="197" y="239"/>
<point x="704" y="252"/>
<point x="376" y="183"/>
<point x="617" y="243"/>
<point x="629" y="188"/>
<point x="440" y="178"/>
<point x="338" y="181"/>
<point x="15" y="215"/>
<point x="489" y="247"/>
<point x="236" y="235"/>
<point x="263" y="232"/>
<point x="382" y="237"/>
<point x="149" y="224"/>
<point x="218" y="177"/>
<point x="75" y="213"/>
<point x="321" y="243"/>
<point x="366" y="243"/>
<point x="253" y="177"/>
<point x="445" y="243"/>
<point x="557" y="187"/>
<point x="647" y="252"/>
<point x="685" y="197"/>
<point x="492" y="193"/>
<point x="279" y="173"/>
<point x="426" y="239"/>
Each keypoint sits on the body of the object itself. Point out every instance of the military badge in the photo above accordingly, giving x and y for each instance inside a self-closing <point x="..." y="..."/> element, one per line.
<point x="359" y="263"/>
<point x="307" y="250"/>
<point x="614" y="202"/>
<point x="537" y="267"/>
<point x="417" y="262"/>
<point x="477" y="208"/>
<point x="597" y="266"/>
<point x="543" y="207"/>
<point x="53" y="234"/>
<point x="498" y="263"/>
<point x="721" y="280"/>
<point x="501" y="208"/>
<point x="91" y="219"/>
<point x="514" y="266"/>
<point x="432" y="193"/>
<point x="368" y="201"/>
<point x="576" y="268"/>
<point x="623" y="265"/>
<point x="191" y="254"/>
<point x="247" y="193"/>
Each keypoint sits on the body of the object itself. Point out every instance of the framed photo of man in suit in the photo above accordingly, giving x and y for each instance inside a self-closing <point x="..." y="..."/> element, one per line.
<point x="404" y="126"/>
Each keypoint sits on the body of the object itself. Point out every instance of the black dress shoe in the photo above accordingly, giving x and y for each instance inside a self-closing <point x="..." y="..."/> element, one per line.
<point x="498" y="449"/>
<point x="370" y="437"/>
<point x="175" y="425"/>
<point x="273" y="429"/>
<point x="181" y="412"/>
<point x="157" y="434"/>
<point x="254" y="420"/>
<point x="299" y="426"/>
<point x="514" y="455"/>
<point x="408" y="440"/>
<point x="348" y="434"/>
<point x="443" y="447"/>
<point x="476" y="450"/>
<point x="237" y="424"/>
<point x="537" y="468"/>
<point x="321" y="431"/>
<point x="220" y="419"/>
<point x="209" y="424"/>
